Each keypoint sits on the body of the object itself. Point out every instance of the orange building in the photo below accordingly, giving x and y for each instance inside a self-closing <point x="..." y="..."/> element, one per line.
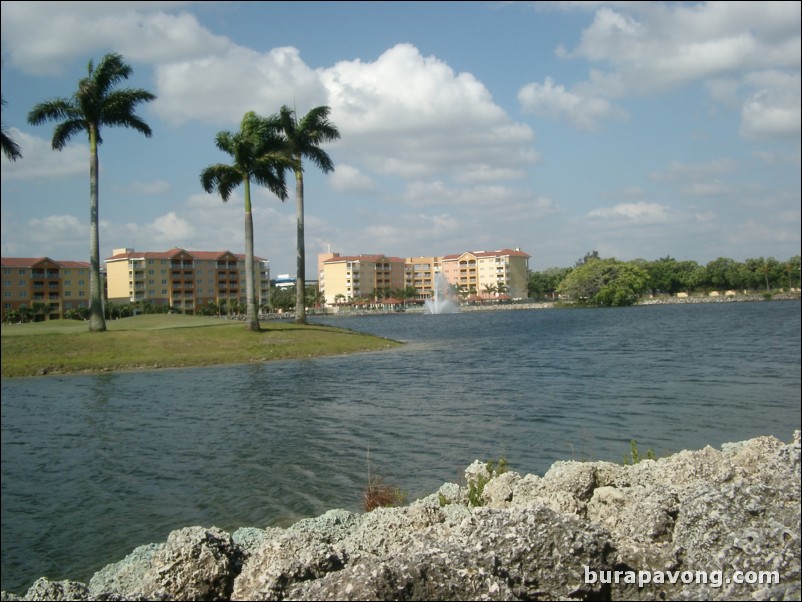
<point x="45" y="286"/>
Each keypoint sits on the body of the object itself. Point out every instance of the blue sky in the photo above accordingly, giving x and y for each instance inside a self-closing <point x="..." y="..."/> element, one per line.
<point x="637" y="129"/>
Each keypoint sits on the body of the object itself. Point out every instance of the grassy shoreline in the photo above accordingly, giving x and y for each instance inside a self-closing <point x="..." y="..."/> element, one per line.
<point x="168" y="341"/>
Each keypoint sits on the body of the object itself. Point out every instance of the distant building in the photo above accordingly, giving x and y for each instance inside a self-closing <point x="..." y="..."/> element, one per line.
<point x="476" y="273"/>
<point x="284" y="281"/>
<point x="57" y="286"/>
<point x="183" y="280"/>
<point x="485" y="275"/>
<point x="354" y="277"/>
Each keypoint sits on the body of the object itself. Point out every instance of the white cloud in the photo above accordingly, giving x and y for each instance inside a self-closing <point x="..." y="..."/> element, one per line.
<point x="554" y="101"/>
<point x="191" y="90"/>
<point x="43" y="37"/>
<point x="644" y="48"/>
<point x="413" y="116"/>
<point x="40" y="161"/>
<point x="642" y="212"/>
<point x="654" y="46"/>
<point x="773" y="111"/>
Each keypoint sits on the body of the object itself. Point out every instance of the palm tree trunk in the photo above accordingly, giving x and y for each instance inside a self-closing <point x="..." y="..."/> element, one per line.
<point x="252" y="317"/>
<point x="300" y="278"/>
<point x="97" y="323"/>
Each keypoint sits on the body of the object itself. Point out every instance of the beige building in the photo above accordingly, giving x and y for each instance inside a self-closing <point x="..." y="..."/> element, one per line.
<point x="57" y="286"/>
<point x="181" y="279"/>
<point x="350" y="278"/>
<point x="476" y="275"/>
<point x="488" y="274"/>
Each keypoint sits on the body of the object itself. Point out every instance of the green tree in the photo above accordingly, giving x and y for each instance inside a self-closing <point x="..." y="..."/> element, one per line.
<point x="303" y="138"/>
<point x="541" y="285"/>
<point x="10" y="147"/>
<point x="605" y="282"/>
<point x="258" y="156"/>
<point x="667" y="275"/>
<point x="724" y="273"/>
<point x="97" y="103"/>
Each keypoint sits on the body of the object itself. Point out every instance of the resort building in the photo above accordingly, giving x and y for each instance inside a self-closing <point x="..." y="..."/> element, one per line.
<point x="182" y="280"/>
<point x="44" y="286"/>
<point x="354" y="277"/>
<point x="496" y="274"/>
<point x="475" y="275"/>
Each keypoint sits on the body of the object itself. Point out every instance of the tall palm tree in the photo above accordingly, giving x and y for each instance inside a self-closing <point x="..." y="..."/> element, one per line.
<point x="96" y="103"/>
<point x="258" y="154"/>
<point x="303" y="139"/>
<point x="10" y="147"/>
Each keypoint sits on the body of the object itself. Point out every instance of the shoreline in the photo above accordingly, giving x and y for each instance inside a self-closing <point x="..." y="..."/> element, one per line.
<point x="537" y="305"/>
<point x="703" y="515"/>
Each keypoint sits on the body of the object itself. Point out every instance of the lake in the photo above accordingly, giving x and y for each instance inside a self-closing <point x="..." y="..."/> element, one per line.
<point x="96" y="465"/>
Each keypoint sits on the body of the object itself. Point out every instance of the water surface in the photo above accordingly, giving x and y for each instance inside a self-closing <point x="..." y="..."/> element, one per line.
<point x="95" y="465"/>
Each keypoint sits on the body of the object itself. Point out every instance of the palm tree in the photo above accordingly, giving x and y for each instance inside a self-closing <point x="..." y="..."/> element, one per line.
<point x="96" y="103"/>
<point x="303" y="139"/>
<point x="10" y="147"/>
<point x="258" y="155"/>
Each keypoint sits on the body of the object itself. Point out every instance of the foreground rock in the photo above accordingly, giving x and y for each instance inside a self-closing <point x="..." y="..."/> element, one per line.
<point x="698" y="525"/>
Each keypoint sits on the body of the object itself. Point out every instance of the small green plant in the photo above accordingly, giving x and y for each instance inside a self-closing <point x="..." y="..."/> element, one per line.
<point x="476" y="487"/>
<point x="634" y="455"/>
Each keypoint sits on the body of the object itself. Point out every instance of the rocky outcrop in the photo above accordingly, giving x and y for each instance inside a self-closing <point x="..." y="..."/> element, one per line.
<point x="697" y="525"/>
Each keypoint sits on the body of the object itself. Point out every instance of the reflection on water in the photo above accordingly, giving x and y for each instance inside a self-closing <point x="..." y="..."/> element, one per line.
<point x="93" y="466"/>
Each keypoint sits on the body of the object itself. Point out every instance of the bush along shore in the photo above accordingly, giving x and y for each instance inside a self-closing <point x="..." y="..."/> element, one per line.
<point x="697" y="525"/>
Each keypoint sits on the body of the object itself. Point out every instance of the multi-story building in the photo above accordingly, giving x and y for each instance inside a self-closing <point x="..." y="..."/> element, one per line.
<point x="488" y="273"/>
<point x="499" y="274"/>
<point x="354" y="277"/>
<point x="54" y="286"/>
<point x="183" y="280"/>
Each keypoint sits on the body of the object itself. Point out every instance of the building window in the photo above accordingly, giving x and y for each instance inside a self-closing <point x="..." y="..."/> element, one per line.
<point x="67" y="293"/>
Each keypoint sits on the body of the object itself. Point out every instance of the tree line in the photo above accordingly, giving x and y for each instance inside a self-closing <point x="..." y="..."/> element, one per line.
<point x="262" y="151"/>
<point x="609" y="282"/>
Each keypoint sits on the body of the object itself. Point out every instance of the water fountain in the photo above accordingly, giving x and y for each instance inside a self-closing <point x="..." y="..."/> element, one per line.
<point x="443" y="300"/>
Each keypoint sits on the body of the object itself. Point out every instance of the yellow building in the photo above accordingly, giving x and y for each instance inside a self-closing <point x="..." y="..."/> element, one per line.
<point x="492" y="275"/>
<point x="423" y="271"/>
<point x="183" y="280"/>
<point x="360" y="277"/>
<point x="54" y="286"/>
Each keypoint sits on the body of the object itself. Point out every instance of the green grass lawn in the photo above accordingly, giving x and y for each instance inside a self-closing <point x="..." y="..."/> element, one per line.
<point x="168" y="341"/>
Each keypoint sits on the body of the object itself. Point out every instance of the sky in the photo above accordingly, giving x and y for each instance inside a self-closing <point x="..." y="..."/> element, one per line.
<point x="640" y="130"/>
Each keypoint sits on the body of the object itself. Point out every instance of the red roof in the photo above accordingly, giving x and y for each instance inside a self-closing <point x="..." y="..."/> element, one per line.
<point x="202" y="255"/>
<point x="29" y="262"/>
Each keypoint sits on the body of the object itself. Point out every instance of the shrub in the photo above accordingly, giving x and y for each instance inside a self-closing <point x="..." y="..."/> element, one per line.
<point x="634" y="455"/>
<point x="379" y="494"/>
